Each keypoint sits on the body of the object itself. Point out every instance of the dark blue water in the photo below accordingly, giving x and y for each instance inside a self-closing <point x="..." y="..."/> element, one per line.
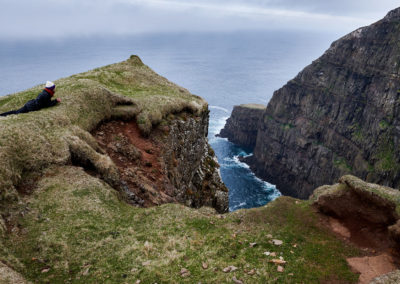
<point x="226" y="69"/>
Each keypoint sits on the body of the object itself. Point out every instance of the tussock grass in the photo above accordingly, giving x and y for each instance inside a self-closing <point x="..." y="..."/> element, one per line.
<point x="78" y="229"/>
<point x="154" y="95"/>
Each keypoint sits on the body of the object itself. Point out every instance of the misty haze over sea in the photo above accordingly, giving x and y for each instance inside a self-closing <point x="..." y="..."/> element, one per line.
<point x="226" y="68"/>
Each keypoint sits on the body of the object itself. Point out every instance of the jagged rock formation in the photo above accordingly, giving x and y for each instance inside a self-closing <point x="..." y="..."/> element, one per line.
<point x="193" y="169"/>
<point x="242" y="126"/>
<point x="339" y="115"/>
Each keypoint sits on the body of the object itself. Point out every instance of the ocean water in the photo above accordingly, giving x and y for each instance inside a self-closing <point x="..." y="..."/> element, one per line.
<point x="226" y="69"/>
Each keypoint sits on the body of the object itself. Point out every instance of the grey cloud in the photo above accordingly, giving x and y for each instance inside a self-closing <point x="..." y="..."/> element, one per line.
<point x="52" y="18"/>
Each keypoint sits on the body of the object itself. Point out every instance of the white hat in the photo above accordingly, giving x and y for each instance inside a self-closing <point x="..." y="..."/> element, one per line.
<point x="50" y="85"/>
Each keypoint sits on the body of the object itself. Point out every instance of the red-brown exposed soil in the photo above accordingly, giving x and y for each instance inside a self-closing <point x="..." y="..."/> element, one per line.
<point x="380" y="253"/>
<point x="370" y="267"/>
<point x="145" y="174"/>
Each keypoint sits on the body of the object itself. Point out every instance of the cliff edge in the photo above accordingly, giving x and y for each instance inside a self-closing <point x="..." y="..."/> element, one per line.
<point x="339" y="115"/>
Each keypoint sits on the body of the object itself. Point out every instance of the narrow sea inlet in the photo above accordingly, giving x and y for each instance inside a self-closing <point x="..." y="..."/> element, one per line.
<point x="245" y="189"/>
<point x="226" y="69"/>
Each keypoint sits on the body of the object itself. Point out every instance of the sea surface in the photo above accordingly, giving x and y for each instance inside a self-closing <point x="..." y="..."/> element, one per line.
<point x="226" y="69"/>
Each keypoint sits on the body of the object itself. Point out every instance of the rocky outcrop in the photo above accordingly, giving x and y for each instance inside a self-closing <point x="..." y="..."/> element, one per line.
<point x="9" y="275"/>
<point x="173" y="164"/>
<point x="241" y="127"/>
<point x="354" y="198"/>
<point x="370" y="211"/>
<point x="340" y="115"/>
<point x="191" y="165"/>
<point x="390" y="278"/>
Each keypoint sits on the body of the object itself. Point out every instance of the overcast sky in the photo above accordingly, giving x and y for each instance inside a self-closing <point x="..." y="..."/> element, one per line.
<point x="60" y="18"/>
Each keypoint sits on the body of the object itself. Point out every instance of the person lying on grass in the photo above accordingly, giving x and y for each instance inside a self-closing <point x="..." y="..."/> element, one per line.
<point x="43" y="100"/>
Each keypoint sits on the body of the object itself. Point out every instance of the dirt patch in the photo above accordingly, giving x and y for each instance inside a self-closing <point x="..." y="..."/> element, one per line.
<point x="380" y="255"/>
<point x="370" y="267"/>
<point x="139" y="161"/>
<point x="339" y="228"/>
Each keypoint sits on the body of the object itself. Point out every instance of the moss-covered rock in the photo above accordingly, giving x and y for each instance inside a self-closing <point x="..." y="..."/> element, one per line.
<point x="32" y="143"/>
<point x="352" y="191"/>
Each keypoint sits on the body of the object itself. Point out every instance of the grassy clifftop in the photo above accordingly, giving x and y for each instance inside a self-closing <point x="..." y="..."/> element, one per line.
<point x="76" y="230"/>
<point x="62" y="225"/>
<point x="33" y="141"/>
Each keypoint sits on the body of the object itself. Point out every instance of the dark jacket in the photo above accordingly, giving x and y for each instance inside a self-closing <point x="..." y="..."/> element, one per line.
<point x="43" y="100"/>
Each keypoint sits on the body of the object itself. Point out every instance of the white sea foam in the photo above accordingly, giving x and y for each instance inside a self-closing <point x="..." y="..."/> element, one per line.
<point x="216" y="126"/>
<point x="238" y="206"/>
<point x="268" y="187"/>
<point x="228" y="162"/>
<point x="219" y="108"/>
<point x="240" y="163"/>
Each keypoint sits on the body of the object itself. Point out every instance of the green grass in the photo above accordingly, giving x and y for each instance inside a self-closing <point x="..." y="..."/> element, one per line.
<point x="342" y="163"/>
<point x="155" y="96"/>
<point x="81" y="231"/>
<point x="254" y="106"/>
<point x="357" y="133"/>
<point x="383" y="124"/>
<point x="287" y="126"/>
<point x="32" y="142"/>
<point x="386" y="157"/>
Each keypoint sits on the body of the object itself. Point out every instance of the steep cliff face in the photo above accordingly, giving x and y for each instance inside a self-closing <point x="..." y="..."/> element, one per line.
<point x="339" y="115"/>
<point x="173" y="164"/>
<point x="241" y="127"/>
<point x="191" y="164"/>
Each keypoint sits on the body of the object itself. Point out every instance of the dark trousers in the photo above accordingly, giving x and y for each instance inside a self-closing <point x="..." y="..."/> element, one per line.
<point x="21" y="110"/>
